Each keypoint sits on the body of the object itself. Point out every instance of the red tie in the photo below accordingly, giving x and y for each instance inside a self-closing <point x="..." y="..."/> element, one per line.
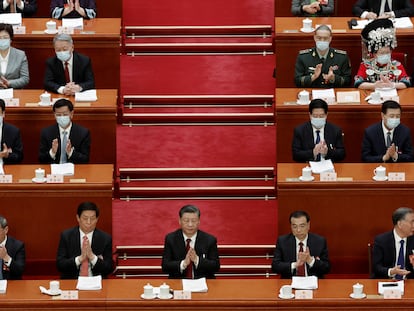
<point x="300" y="271"/>
<point x="84" y="268"/>
<point x="189" y="270"/>
<point x="67" y="77"/>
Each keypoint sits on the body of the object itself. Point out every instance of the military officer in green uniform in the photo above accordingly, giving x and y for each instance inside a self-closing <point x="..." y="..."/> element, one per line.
<point x="322" y="66"/>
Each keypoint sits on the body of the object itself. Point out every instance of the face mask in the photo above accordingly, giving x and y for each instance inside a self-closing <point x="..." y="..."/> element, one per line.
<point x="63" y="121"/>
<point x="4" y="44"/>
<point x="393" y="122"/>
<point x="322" y="45"/>
<point x="318" y="122"/>
<point x="383" y="59"/>
<point x="63" y="55"/>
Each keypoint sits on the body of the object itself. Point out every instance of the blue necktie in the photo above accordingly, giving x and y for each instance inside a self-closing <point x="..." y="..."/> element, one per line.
<point x="388" y="139"/>
<point x="63" y="156"/>
<point x="400" y="260"/>
<point x="317" y="141"/>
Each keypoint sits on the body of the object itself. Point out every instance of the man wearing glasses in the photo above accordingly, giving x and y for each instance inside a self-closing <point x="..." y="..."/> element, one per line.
<point x="64" y="141"/>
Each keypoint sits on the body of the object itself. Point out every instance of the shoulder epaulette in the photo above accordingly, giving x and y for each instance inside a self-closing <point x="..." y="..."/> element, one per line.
<point x="305" y="51"/>
<point x="340" y="51"/>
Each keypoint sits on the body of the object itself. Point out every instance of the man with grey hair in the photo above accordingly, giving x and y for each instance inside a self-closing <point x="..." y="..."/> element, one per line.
<point x="322" y="66"/>
<point x="68" y="72"/>
<point x="12" y="254"/>
<point x="393" y="250"/>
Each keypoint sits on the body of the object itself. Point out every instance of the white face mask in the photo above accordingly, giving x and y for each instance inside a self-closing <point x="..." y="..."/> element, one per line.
<point x="63" y="55"/>
<point x="63" y="121"/>
<point x="4" y="44"/>
<point x="393" y="122"/>
<point x="318" y="122"/>
<point x="322" y="45"/>
<point x="383" y="59"/>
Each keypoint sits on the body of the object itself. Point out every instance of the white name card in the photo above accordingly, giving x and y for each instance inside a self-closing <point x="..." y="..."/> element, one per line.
<point x="66" y="30"/>
<point x="303" y="294"/>
<point x="12" y="102"/>
<point x="182" y="294"/>
<point x="6" y="179"/>
<point x="19" y="30"/>
<point x="392" y="293"/>
<point x="328" y="176"/>
<point x="68" y="295"/>
<point x="54" y="178"/>
<point x="396" y="176"/>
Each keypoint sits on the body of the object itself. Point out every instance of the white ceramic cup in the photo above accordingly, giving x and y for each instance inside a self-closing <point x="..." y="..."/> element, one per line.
<point x="164" y="290"/>
<point x="307" y="24"/>
<point x="357" y="290"/>
<point x="306" y="172"/>
<point x="379" y="171"/>
<point x="375" y="96"/>
<point x="54" y="287"/>
<point x="45" y="98"/>
<point x="303" y="96"/>
<point x="286" y="291"/>
<point x="51" y="26"/>
<point x="148" y="291"/>
<point x="40" y="174"/>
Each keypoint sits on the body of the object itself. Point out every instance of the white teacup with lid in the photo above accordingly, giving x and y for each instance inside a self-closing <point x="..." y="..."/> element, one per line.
<point x="303" y="97"/>
<point x="357" y="290"/>
<point x="164" y="291"/>
<point x="307" y="24"/>
<point x="380" y="172"/>
<point x="148" y="291"/>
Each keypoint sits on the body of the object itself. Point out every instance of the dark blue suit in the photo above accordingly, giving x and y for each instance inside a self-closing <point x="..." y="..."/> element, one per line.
<point x="29" y="9"/>
<point x="373" y="144"/>
<point x="82" y="73"/>
<point x="11" y="137"/>
<point x="70" y="247"/>
<point x="383" y="257"/>
<point x="285" y="254"/>
<point x="79" y="138"/>
<point x="304" y="142"/>
<point x="16" y="251"/>
<point x="174" y="252"/>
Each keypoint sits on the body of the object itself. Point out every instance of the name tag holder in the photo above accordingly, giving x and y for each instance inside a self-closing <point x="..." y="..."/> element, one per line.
<point x="396" y="176"/>
<point x="54" y="178"/>
<point x="6" y="179"/>
<point x="304" y="294"/>
<point x="328" y="176"/>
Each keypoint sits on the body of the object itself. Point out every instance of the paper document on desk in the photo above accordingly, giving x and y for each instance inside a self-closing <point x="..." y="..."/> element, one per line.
<point x="6" y="93"/>
<point x="3" y="286"/>
<point x="305" y="282"/>
<point x="89" y="282"/>
<point x="195" y="286"/>
<point x="322" y="166"/>
<point x="11" y="18"/>
<point x="86" y="96"/>
<point x="75" y="23"/>
<point x="327" y="95"/>
<point x="361" y="24"/>
<point x="390" y="285"/>
<point x="402" y="22"/>
<point x="348" y="97"/>
<point x="67" y="169"/>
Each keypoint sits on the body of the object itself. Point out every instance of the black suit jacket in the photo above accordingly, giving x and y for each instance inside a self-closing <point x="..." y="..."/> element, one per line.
<point x="79" y="138"/>
<point x="401" y="8"/>
<point x="303" y="143"/>
<point x="81" y="71"/>
<point x="383" y="257"/>
<point x="174" y="252"/>
<point x="12" y="138"/>
<point x="29" y="9"/>
<point x="285" y="254"/>
<point x="16" y="251"/>
<point x="373" y="144"/>
<point x="70" y="247"/>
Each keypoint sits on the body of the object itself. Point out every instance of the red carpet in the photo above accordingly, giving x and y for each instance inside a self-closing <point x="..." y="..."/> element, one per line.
<point x="198" y="12"/>
<point x="231" y="221"/>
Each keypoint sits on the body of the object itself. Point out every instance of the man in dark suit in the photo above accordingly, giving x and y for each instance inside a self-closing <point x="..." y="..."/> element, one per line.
<point x="306" y="146"/>
<point x="322" y="66"/>
<point x="393" y="251"/>
<point x="85" y="248"/>
<point x="11" y="142"/>
<point x="12" y="254"/>
<point x="74" y="138"/>
<point x="73" y="9"/>
<point x="68" y="72"/>
<point x="388" y="140"/>
<point x="300" y="253"/>
<point x="372" y="9"/>
<point x="189" y="252"/>
<point x="26" y="7"/>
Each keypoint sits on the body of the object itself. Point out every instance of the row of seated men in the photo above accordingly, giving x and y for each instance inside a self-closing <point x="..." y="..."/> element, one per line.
<point x="323" y="66"/>
<point x="370" y="9"/>
<point x="189" y="252"/>
<point x="58" y="8"/>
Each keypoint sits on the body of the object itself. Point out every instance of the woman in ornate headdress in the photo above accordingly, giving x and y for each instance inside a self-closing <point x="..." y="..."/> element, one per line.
<point x="379" y="70"/>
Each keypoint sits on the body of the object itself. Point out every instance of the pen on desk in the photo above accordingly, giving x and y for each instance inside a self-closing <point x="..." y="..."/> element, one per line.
<point x="390" y="284"/>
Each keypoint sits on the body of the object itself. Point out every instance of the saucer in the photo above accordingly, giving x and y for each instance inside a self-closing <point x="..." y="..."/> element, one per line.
<point x="372" y="102"/>
<point x="39" y="181"/>
<point x="150" y="297"/>
<point x="357" y="297"/>
<point x="301" y="178"/>
<point x="307" y="30"/>
<point x="51" y="32"/>
<point x="302" y="103"/>
<point x="169" y="296"/>
<point x="379" y="178"/>
<point x="44" y="105"/>
<point x="287" y="297"/>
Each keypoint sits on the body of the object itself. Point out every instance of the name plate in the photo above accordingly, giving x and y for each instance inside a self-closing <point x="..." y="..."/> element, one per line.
<point x="303" y="294"/>
<point x="396" y="176"/>
<point x="328" y="176"/>
<point x="182" y="294"/>
<point x="66" y="30"/>
<point x="19" y="30"/>
<point x="54" y="178"/>
<point x="68" y="295"/>
<point x="6" y="179"/>
<point x="12" y="102"/>
<point x="392" y="293"/>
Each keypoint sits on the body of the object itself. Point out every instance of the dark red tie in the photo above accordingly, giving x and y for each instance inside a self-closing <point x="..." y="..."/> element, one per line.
<point x="12" y="6"/>
<point x="189" y="270"/>
<point x="300" y="271"/>
<point x="67" y="77"/>
<point x="84" y="268"/>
